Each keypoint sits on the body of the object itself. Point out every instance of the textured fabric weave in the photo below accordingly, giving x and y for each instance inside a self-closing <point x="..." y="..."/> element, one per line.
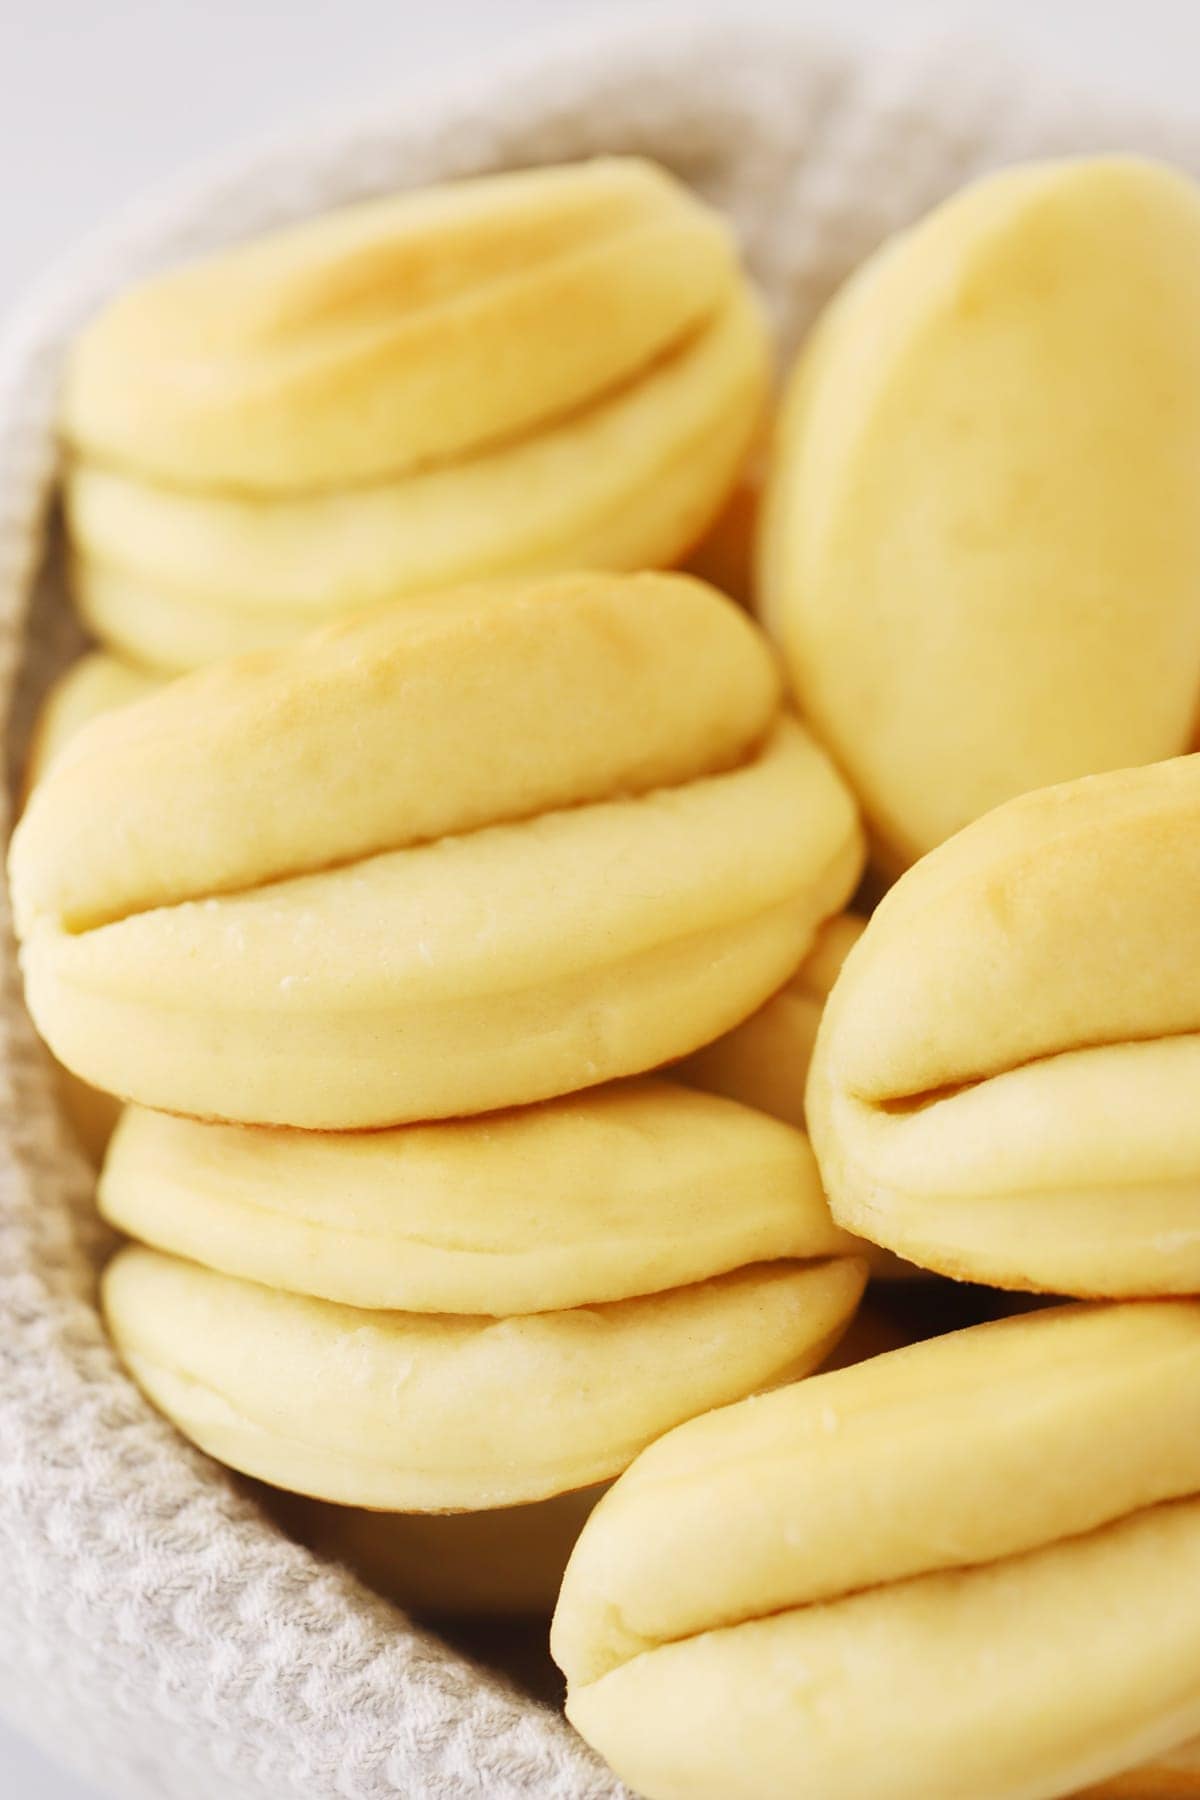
<point x="156" y="1631"/>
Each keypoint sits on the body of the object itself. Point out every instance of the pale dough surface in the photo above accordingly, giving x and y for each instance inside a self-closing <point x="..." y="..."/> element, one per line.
<point x="982" y="596"/>
<point x="630" y="1189"/>
<point x="489" y="704"/>
<point x="412" y="1412"/>
<point x="400" y="332"/>
<point x="1004" y="1082"/>
<point x="1000" y="1588"/>
<point x="488" y="969"/>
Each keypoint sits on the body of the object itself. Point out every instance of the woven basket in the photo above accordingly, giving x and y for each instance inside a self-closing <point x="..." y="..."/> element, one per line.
<point x="156" y="1630"/>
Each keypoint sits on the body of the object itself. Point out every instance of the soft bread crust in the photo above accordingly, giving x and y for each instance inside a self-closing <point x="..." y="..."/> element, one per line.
<point x="764" y="1061"/>
<point x="1004" y="1082"/>
<point x="394" y="728"/>
<point x="485" y="970"/>
<point x="628" y="1190"/>
<point x="400" y="332"/>
<point x="430" y="1413"/>
<point x="632" y="481"/>
<point x="1002" y="1589"/>
<point x="1024" y="1679"/>
<point x="982" y="492"/>
<point x="888" y="1470"/>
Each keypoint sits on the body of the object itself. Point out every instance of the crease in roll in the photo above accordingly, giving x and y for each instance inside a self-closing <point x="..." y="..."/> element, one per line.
<point x="1002" y="1589"/>
<point x="539" y="837"/>
<point x="1003" y="1088"/>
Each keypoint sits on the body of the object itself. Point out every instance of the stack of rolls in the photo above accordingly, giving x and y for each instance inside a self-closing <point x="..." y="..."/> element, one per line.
<point x="557" y="369"/>
<point x="472" y="970"/>
<point x="482" y="858"/>
<point x="967" y="1568"/>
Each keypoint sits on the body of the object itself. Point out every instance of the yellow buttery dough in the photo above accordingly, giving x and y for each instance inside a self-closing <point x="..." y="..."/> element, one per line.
<point x="629" y="1189"/>
<point x="231" y="908"/>
<point x="179" y="577"/>
<point x="394" y="728"/>
<point x="398" y="333"/>
<point x="1003" y="1591"/>
<point x="981" y="551"/>
<point x="415" y="1412"/>
<point x="1005" y="1082"/>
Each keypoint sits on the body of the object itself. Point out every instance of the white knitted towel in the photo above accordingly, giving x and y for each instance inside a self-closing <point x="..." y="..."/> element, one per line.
<point x="155" y="1630"/>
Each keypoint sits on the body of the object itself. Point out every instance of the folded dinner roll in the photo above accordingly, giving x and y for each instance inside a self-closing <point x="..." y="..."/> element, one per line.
<point x="491" y="704"/>
<point x="981" y="550"/>
<point x="871" y="1584"/>
<point x="1005" y="1081"/>
<point x="179" y="577"/>
<point x="764" y="1061"/>
<point x="625" y="1190"/>
<point x="441" y="1412"/>
<point x="555" y="369"/>
<point x="399" y="332"/>
<point x="432" y="862"/>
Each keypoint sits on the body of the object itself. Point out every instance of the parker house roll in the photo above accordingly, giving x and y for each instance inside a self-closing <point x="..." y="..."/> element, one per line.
<point x="473" y="1314"/>
<point x="873" y="1584"/>
<point x="554" y="369"/>
<point x="981" y="549"/>
<point x="1005" y="1082"/>
<point x="432" y="862"/>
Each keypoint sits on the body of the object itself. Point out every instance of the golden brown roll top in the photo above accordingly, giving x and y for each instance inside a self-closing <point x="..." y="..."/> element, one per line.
<point x="179" y="576"/>
<point x="393" y="729"/>
<point x="399" y="332"/>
